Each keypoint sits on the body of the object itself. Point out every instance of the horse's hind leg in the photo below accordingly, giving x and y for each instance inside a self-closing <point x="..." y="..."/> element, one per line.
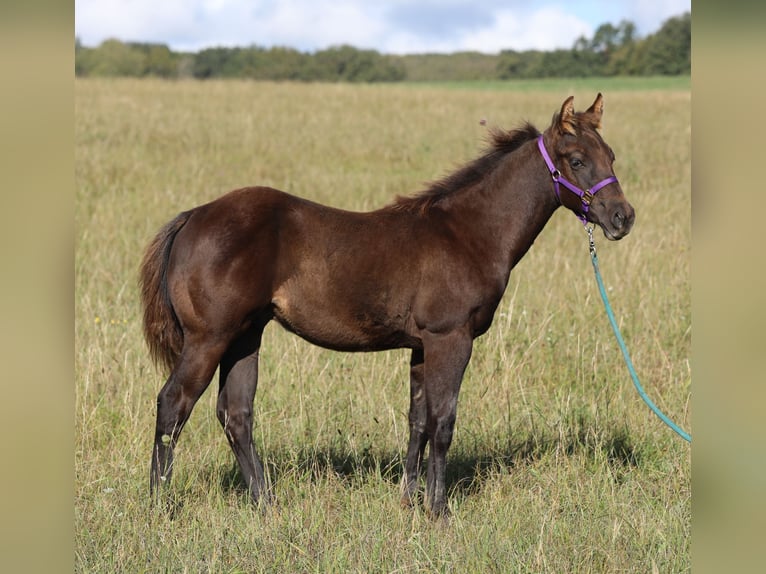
<point x="238" y="382"/>
<point x="418" y="436"/>
<point x="175" y="402"/>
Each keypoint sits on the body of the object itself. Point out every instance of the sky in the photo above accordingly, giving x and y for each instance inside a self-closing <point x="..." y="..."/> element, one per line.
<point x="388" y="26"/>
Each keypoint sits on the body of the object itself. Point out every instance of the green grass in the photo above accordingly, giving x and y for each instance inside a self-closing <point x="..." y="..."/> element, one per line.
<point x="556" y="466"/>
<point x="562" y="85"/>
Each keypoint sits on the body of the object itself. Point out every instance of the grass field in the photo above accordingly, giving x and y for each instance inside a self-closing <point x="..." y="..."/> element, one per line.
<point x="556" y="465"/>
<point x="564" y="85"/>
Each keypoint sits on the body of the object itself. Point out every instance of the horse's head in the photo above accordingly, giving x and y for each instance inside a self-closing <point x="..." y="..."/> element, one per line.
<point x="580" y="162"/>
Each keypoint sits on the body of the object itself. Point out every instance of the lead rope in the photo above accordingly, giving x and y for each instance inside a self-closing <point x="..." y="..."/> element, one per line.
<point x="594" y="259"/>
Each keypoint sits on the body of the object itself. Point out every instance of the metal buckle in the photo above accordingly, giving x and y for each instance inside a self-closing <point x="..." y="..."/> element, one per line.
<point x="587" y="197"/>
<point x="591" y="243"/>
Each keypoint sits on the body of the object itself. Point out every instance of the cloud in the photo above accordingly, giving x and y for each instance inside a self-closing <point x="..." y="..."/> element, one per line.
<point x="529" y="31"/>
<point x="194" y="24"/>
<point x="97" y="20"/>
<point x="396" y="26"/>
<point x="650" y="14"/>
<point x="435" y="20"/>
<point x="544" y="28"/>
<point x="319" y="24"/>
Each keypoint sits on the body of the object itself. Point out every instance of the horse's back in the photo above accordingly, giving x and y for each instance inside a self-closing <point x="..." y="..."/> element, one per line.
<point x="336" y="278"/>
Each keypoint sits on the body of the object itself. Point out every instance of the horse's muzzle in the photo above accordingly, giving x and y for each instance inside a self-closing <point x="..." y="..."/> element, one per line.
<point x="619" y="222"/>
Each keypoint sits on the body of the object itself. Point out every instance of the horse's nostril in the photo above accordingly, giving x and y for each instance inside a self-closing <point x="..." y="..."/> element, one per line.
<point x="618" y="219"/>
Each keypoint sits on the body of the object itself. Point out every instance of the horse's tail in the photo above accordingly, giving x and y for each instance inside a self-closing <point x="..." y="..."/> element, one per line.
<point x="162" y="329"/>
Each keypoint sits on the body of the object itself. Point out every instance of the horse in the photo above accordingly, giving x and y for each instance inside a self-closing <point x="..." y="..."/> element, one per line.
<point x="424" y="273"/>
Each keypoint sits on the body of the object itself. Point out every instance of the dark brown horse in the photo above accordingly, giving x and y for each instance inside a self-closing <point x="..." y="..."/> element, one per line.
<point x="424" y="273"/>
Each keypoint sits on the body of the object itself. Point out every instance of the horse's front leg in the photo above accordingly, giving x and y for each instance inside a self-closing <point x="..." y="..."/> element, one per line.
<point x="418" y="436"/>
<point x="446" y="357"/>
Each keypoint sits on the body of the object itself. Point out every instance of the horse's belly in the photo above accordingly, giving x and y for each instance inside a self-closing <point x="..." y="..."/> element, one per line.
<point x="338" y="325"/>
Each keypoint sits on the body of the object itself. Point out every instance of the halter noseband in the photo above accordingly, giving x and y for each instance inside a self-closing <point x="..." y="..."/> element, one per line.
<point x="585" y="196"/>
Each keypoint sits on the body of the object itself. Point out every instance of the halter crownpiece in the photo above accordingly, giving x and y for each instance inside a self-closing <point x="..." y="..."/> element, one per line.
<point x="585" y="196"/>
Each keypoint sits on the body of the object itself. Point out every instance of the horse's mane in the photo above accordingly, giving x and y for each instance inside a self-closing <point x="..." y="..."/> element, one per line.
<point x="501" y="143"/>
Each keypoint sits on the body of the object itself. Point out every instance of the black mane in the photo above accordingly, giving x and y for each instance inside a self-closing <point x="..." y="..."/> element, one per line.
<point x="501" y="143"/>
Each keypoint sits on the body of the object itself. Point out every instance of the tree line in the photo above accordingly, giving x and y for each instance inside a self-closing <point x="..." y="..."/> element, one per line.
<point x="614" y="50"/>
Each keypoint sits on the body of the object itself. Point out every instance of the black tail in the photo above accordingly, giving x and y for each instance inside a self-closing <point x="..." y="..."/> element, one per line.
<point x="162" y="330"/>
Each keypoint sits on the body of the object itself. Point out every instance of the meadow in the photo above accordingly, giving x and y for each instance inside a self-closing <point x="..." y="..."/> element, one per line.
<point x="556" y="465"/>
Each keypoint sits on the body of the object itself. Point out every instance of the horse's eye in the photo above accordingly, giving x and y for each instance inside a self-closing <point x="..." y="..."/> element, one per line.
<point x="576" y="163"/>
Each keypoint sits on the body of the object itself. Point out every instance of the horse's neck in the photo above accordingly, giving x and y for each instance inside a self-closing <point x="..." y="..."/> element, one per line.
<point x="511" y="207"/>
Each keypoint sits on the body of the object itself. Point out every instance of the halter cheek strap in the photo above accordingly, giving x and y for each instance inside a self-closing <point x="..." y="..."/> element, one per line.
<point x="585" y="196"/>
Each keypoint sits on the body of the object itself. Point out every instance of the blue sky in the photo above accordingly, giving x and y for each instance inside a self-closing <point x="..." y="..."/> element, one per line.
<point x="389" y="26"/>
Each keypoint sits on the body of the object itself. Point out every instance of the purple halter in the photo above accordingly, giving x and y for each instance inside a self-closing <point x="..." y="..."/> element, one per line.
<point x="585" y="196"/>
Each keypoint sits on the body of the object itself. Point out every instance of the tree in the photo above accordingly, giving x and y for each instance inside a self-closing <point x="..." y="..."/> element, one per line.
<point x="114" y="58"/>
<point x="346" y="63"/>
<point x="160" y="61"/>
<point x="80" y="58"/>
<point x="668" y="52"/>
<point x="605" y="39"/>
<point x="211" y="62"/>
<point x="621" y="55"/>
<point x="626" y="32"/>
<point x="281" y="63"/>
<point x="510" y="65"/>
<point x="527" y="64"/>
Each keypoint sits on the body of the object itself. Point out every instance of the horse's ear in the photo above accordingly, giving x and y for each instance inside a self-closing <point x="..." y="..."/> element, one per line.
<point x="596" y="111"/>
<point x="567" y="117"/>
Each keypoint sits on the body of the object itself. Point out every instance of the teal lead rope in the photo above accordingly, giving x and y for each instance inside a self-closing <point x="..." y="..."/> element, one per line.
<point x="623" y="348"/>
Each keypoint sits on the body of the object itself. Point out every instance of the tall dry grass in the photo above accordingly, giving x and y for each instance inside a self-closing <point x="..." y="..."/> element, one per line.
<point x="556" y="465"/>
